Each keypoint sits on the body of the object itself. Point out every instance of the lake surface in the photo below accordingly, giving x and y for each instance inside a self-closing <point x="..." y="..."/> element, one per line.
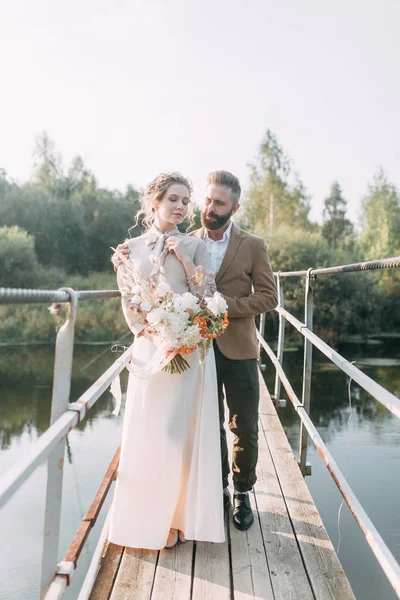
<point x="369" y="445"/>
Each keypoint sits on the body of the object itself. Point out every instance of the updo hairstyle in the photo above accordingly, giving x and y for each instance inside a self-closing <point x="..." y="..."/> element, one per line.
<point x="155" y="192"/>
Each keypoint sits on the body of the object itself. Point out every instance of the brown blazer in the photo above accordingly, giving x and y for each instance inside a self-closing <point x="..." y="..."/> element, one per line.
<point x="246" y="281"/>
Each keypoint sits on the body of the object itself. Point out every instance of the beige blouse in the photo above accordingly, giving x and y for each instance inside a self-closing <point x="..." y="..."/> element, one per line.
<point x="149" y="253"/>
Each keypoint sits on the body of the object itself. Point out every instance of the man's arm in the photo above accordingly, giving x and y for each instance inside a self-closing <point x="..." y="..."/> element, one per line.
<point x="264" y="297"/>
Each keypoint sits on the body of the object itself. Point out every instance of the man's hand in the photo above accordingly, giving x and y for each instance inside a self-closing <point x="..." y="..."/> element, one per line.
<point x="116" y="259"/>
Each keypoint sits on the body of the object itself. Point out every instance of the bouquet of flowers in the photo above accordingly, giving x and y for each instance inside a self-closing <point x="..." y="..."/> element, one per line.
<point x="183" y="322"/>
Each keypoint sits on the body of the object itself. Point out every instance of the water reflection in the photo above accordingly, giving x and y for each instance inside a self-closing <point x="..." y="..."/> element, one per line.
<point x="26" y="375"/>
<point x="367" y="448"/>
<point x="25" y="401"/>
<point x="371" y="443"/>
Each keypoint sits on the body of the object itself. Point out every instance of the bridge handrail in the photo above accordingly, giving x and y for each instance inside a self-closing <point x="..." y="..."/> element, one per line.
<point x="41" y="449"/>
<point x="389" y="400"/>
<point x="371" y="265"/>
<point x="26" y="296"/>
<point x="67" y="415"/>
<point x="385" y="558"/>
<point x="64" y="416"/>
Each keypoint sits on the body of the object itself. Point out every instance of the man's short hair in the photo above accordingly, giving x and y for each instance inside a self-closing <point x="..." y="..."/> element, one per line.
<point x="226" y="180"/>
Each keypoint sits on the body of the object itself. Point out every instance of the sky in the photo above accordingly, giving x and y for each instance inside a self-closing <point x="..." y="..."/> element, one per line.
<point x="141" y="87"/>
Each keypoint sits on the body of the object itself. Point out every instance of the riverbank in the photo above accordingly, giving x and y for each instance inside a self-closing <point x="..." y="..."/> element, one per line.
<point x="102" y="321"/>
<point x="97" y="320"/>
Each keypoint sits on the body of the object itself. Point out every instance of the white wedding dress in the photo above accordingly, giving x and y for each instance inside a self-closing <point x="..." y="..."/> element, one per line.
<point x="169" y="474"/>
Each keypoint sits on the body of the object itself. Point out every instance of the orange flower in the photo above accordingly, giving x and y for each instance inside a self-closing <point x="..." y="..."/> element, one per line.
<point x="186" y="350"/>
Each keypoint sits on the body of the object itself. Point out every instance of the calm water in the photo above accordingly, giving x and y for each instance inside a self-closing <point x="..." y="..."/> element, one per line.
<point x="370" y="445"/>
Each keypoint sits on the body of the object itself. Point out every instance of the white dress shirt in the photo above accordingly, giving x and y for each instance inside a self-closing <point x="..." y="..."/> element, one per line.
<point x="216" y="249"/>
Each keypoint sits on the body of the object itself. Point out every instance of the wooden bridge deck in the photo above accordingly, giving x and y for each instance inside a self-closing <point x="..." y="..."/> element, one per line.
<point x="286" y="555"/>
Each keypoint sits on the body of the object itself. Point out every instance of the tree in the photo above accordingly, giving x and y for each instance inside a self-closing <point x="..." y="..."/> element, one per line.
<point x="380" y="233"/>
<point x="47" y="163"/>
<point x="17" y="258"/>
<point x="276" y="195"/>
<point x="380" y="219"/>
<point x="343" y="304"/>
<point x="336" y="228"/>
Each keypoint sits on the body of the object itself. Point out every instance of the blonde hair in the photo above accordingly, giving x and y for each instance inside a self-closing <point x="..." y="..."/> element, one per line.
<point x="228" y="181"/>
<point x="155" y="192"/>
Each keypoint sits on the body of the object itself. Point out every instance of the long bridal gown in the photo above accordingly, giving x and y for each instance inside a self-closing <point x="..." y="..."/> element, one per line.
<point x="169" y="474"/>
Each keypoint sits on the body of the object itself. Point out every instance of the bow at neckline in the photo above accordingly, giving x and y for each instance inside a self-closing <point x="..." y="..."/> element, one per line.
<point x="157" y="242"/>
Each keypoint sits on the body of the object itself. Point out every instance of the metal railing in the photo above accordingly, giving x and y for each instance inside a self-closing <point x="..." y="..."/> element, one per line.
<point x="307" y="429"/>
<point x="65" y="416"/>
<point x="55" y="576"/>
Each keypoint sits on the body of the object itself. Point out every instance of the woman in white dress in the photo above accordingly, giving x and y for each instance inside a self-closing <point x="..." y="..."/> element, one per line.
<point x="169" y="483"/>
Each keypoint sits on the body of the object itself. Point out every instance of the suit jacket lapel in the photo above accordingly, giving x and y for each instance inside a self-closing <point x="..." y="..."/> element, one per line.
<point x="234" y="242"/>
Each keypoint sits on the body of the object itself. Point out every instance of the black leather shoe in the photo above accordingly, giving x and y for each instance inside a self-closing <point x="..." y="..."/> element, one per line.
<point x="242" y="514"/>
<point x="227" y="501"/>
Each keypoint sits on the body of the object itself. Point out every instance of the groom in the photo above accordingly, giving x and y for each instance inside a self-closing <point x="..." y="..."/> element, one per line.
<point x="244" y="277"/>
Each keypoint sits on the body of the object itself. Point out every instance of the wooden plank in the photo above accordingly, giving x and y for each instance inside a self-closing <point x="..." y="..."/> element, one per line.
<point x="174" y="573"/>
<point x="288" y="575"/>
<point x="135" y="575"/>
<point x="324" y="570"/>
<point x="260" y="556"/>
<point x="107" y="572"/>
<point x="212" y="578"/>
<point x="250" y="574"/>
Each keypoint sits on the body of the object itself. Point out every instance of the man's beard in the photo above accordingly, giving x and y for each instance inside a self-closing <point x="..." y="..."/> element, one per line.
<point x="217" y="222"/>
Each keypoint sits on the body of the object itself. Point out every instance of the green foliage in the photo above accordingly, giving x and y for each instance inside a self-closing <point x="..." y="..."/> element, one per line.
<point x="97" y="320"/>
<point x="18" y="260"/>
<point x="380" y="219"/>
<point x="336" y="228"/>
<point x="276" y="195"/>
<point x="343" y="304"/>
<point x="380" y="232"/>
<point x="74" y="221"/>
<point x="58" y="229"/>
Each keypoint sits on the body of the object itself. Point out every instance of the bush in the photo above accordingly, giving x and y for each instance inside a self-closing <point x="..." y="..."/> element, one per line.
<point x="343" y="304"/>
<point x="18" y="261"/>
<point x="97" y="320"/>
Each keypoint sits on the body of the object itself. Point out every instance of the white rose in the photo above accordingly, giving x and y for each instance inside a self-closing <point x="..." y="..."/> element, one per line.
<point x="146" y="305"/>
<point x="212" y="306"/>
<point x="137" y="289"/>
<point x="189" y="301"/>
<point x="163" y="289"/>
<point x="155" y="316"/>
<point x="136" y="299"/>
<point x="221" y="302"/>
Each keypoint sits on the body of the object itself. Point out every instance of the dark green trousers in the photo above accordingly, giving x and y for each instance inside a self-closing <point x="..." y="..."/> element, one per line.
<point x="239" y="378"/>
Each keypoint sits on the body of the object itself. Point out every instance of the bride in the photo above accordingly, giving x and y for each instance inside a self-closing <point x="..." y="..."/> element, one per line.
<point x="169" y="482"/>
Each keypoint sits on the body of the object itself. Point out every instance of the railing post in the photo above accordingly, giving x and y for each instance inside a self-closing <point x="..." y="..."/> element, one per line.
<point x="55" y="463"/>
<point x="262" y="333"/>
<point x="281" y="342"/>
<point x="305" y="467"/>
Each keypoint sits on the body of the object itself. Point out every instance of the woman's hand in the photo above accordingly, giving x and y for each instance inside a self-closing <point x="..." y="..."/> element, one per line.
<point x="116" y="259"/>
<point x="175" y="244"/>
<point x="156" y="341"/>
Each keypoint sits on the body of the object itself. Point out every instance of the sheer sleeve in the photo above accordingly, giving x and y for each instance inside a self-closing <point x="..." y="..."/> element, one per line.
<point x="132" y="317"/>
<point x="202" y="283"/>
